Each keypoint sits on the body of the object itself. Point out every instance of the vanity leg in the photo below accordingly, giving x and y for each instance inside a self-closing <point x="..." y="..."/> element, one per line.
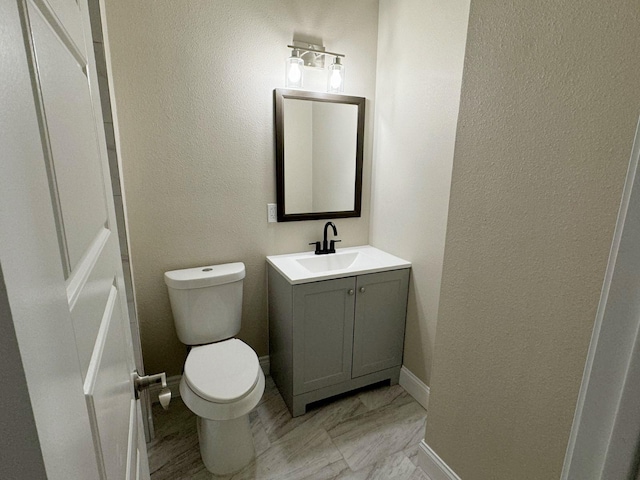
<point x="395" y="378"/>
<point x="299" y="408"/>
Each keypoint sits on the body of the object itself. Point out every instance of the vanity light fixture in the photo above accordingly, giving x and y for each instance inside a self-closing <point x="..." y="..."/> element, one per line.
<point x="314" y="56"/>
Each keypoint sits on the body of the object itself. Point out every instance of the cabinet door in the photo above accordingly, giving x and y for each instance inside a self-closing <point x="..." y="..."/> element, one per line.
<point x="322" y="333"/>
<point x="381" y="309"/>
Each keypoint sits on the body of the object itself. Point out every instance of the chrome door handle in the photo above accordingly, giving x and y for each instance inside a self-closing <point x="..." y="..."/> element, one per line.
<point x="141" y="383"/>
<point x="362" y="289"/>
<point x="350" y="291"/>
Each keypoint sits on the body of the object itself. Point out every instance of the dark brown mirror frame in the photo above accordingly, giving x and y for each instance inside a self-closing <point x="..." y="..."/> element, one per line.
<point x="279" y="95"/>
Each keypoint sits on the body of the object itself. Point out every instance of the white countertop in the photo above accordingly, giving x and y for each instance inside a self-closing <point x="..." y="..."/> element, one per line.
<point x="308" y="267"/>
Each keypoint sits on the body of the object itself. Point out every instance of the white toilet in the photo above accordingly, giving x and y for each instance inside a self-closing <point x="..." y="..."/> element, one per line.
<point x="222" y="380"/>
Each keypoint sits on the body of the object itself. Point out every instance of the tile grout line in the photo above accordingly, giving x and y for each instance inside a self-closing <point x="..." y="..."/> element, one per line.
<point x="339" y="451"/>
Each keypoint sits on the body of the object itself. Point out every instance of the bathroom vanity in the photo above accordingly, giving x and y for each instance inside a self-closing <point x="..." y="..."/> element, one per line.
<point x="336" y="322"/>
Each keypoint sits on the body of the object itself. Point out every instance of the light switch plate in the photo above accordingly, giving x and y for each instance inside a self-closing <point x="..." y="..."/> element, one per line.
<point x="272" y="212"/>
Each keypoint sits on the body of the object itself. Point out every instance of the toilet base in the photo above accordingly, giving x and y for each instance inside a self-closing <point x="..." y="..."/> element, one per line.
<point x="226" y="446"/>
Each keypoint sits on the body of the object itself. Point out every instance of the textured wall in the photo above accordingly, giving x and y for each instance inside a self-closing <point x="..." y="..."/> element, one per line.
<point x="417" y="99"/>
<point x="550" y="99"/>
<point x="193" y="84"/>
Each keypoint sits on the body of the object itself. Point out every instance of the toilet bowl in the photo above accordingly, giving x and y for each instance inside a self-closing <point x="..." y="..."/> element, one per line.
<point x="222" y="379"/>
<point x="221" y="384"/>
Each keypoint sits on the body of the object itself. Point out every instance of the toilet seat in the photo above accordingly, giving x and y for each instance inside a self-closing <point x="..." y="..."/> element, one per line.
<point x="222" y="372"/>
<point x="222" y="411"/>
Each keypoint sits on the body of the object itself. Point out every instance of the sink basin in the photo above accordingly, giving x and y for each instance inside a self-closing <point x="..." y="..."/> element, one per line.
<point x="327" y="263"/>
<point x="307" y="267"/>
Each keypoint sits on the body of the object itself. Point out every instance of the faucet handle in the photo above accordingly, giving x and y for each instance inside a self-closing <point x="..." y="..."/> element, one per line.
<point x="317" y="245"/>
<point x="332" y="245"/>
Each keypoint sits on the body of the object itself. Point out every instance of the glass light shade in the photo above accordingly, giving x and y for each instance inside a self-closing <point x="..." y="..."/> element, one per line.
<point x="294" y="71"/>
<point x="335" y="78"/>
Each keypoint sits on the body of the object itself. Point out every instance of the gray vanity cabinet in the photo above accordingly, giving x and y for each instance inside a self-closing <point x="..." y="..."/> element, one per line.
<point x="332" y="336"/>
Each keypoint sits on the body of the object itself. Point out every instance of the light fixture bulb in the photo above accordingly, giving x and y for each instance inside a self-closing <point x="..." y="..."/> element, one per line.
<point x="294" y="70"/>
<point x="335" y="82"/>
<point x="295" y="73"/>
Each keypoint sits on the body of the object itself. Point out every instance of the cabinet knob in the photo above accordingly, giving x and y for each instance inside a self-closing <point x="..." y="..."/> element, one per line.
<point x="351" y="292"/>
<point x="362" y="289"/>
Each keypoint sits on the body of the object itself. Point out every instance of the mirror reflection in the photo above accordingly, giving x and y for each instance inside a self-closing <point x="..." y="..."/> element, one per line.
<point x="319" y="155"/>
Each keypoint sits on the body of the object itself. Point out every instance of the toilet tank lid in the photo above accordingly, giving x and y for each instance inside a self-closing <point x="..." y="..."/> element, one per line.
<point x="207" y="276"/>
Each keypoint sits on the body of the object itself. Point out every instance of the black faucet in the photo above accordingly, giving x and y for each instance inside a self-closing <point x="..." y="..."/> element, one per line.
<point x="327" y="246"/>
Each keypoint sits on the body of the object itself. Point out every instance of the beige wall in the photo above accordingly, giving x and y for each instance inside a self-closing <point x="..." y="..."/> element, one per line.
<point x="550" y="100"/>
<point x="193" y="84"/>
<point x="420" y="57"/>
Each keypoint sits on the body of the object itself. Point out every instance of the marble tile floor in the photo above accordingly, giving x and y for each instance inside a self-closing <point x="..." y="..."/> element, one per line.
<point x="369" y="434"/>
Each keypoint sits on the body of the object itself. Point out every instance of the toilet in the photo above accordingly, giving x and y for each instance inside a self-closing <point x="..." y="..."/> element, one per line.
<point x="222" y="379"/>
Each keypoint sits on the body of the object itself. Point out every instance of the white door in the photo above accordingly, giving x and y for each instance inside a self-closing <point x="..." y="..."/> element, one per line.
<point x="59" y="248"/>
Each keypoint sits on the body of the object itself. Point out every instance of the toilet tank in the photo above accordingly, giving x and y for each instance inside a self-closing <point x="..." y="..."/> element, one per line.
<point x="206" y="302"/>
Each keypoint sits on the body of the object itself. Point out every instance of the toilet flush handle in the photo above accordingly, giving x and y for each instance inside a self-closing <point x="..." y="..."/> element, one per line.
<point x="146" y="381"/>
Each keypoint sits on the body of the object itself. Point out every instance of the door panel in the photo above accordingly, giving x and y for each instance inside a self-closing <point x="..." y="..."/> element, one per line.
<point x="322" y="334"/>
<point x="76" y="170"/>
<point x="91" y="300"/>
<point x="69" y="17"/>
<point x="108" y="391"/>
<point x="132" y="449"/>
<point x="34" y="279"/>
<point x="142" y="469"/>
<point x="379" y="321"/>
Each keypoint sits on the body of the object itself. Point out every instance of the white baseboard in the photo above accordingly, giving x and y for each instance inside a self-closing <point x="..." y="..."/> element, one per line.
<point x="433" y="465"/>
<point x="414" y="386"/>
<point x="174" y="382"/>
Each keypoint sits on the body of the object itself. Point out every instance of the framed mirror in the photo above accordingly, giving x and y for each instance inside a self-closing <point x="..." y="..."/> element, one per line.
<point x="319" y="147"/>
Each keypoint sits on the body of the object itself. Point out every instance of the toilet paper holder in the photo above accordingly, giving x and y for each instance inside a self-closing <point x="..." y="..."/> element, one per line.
<point x="146" y="381"/>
